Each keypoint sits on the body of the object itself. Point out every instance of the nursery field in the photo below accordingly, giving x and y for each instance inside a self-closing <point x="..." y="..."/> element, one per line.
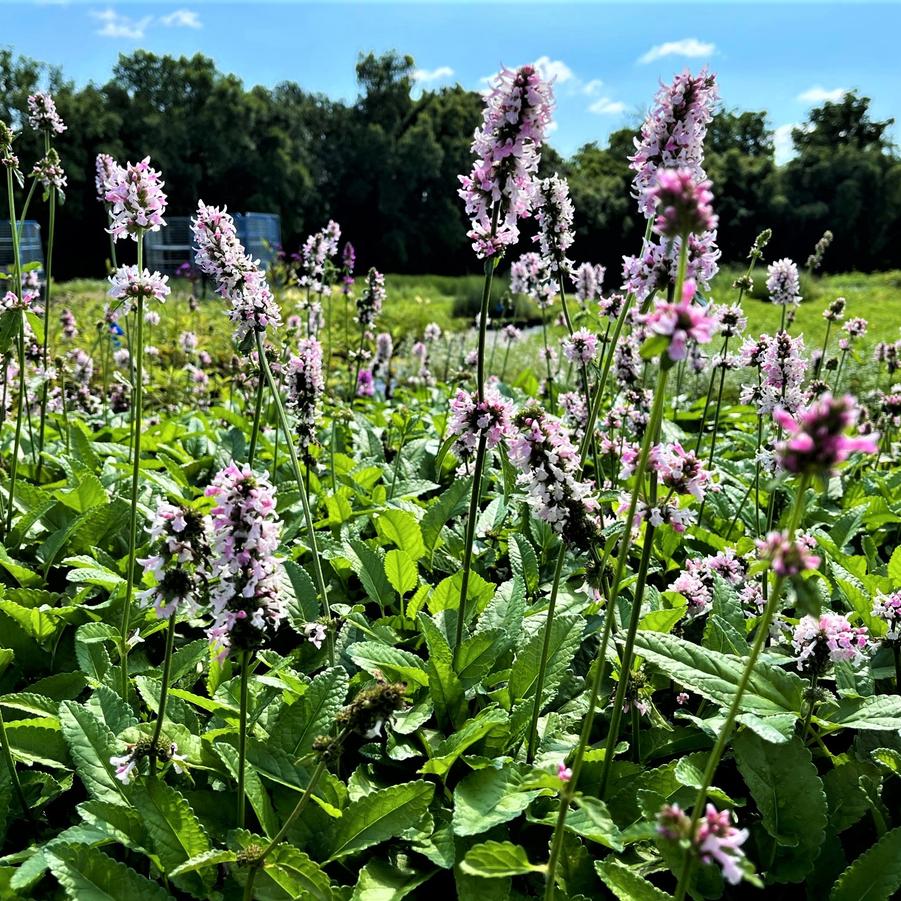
<point x="568" y="579"/>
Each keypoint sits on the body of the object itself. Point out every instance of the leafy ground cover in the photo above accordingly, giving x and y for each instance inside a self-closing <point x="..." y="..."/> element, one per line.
<point x="311" y="588"/>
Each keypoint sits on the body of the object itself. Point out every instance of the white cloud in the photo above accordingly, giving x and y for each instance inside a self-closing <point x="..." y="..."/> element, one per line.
<point x="819" y="94"/>
<point x="115" y="25"/>
<point x="426" y="76"/>
<point x="554" y="69"/>
<point x="592" y="88"/>
<point x="783" y="148"/>
<point x="690" y="47"/>
<point x="181" y="18"/>
<point x="604" y="106"/>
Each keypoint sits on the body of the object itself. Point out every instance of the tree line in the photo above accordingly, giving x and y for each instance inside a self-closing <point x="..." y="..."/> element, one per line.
<point x="386" y="165"/>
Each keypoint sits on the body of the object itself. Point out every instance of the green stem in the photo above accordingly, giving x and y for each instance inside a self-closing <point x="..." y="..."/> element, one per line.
<point x="716" y="419"/>
<point x="45" y="351"/>
<point x="304" y="498"/>
<point x="11" y="766"/>
<point x="279" y="836"/>
<point x="257" y="412"/>
<point x="20" y="415"/>
<point x="242" y="734"/>
<point x="137" y="417"/>
<point x="625" y="543"/>
<point x="547" y="360"/>
<point x="542" y="666"/>
<point x="164" y="691"/>
<point x="763" y="631"/>
<point x="470" y="538"/>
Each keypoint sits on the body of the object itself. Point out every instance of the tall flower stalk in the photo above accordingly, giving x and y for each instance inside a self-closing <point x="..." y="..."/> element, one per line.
<point x="498" y="191"/>
<point x="44" y="118"/>
<point x="683" y="208"/>
<point x="137" y="204"/>
<point x="14" y="301"/>
<point x="815" y="445"/>
<point x="253" y="310"/>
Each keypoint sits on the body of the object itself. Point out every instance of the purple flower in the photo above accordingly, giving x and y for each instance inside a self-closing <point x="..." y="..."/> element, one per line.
<point x="716" y="839"/>
<point x="365" y="383"/>
<point x="511" y="334"/>
<point x="384" y="350"/>
<point x="500" y="188"/>
<point x="683" y="204"/>
<point x="581" y="347"/>
<point x="788" y="557"/>
<point x="530" y="275"/>
<point x="554" y="214"/>
<point x="550" y="469"/>
<point x="829" y="638"/>
<point x="137" y="201"/>
<point x="70" y="327"/>
<point x="588" y="280"/>
<point x="42" y="113"/>
<point x="835" y="311"/>
<point x="783" y="282"/>
<point x="317" y="250"/>
<point x="672" y="136"/>
<point x="238" y="277"/>
<point x="369" y="303"/>
<point x="109" y="173"/>
<point x="680" y="470"/>
<point x="681" y="323"/>
<point x="888" y="609"/>
<point x="471" y="419"/>
<point x="564" y="773"/>
<point x="816" y="441"/>
<point x="730" y="320"/>
<point x="247" y="599"/>
<point x="127" y="284"/>
<point x="180" y="560"/>
<point x="656" y="269"/>
<point x="305" y="389"/>
<point x="49" y="172"/>
<point x="432" y="332"/>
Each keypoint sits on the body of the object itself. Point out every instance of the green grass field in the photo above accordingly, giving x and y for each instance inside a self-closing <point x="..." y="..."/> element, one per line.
<point x="415" y="300"/>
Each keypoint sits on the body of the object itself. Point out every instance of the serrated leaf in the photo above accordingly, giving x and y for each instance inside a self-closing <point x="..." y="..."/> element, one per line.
<point x="299" y="724"/>
<point x="493" y="860"/>
<point x="400" y="571"/>
<point x="789" y="794"/>
<point x="715" y="676"/>
<point x="208" y="859"/>
<point x="626" y="884"/>
<point x="565" y="638"/>
<point x="881" y="713"/>
<point x="875" y="875"/>
<point x="38" y="741"/>
<point x="87" y="874"/>
<point x="380" y="815"/>
<point x="91" y="745"/>
<point x="402" y="529"/>
<point x="394" y="663"/>
<point x="489" y="797"/>
<point x="523" y="560"/>
<point x="174" y="830"/>
<point x="473" y="731"/>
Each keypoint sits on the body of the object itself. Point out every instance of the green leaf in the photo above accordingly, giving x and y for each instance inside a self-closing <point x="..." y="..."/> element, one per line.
<point x="889" y="758"/>
<point x="493" y="860"/>
<point x="875" y="875"/>
<point x="445" y="687"/>
<point x="208" y="859"/>
<point x="446" y="595"/>
<point x="253" y="786"/>
<point x="489" y="797"/>
<point x="38" y="741"/>
<point x="894" y="566"/>
<point x="451" y="503"/>
<point x="394" y="663"/>
<point x="380" y="815"/>
<point x="91" y="745"/>
<point x="381" y="881"/>
<point x="87" y="874"/>
<point x="881" y="713"/>
<point x="789" y="794"/>
<point x="523" y="560"/>
<point x="402" y="529"/>
<point x="565" y="638"/>
<point x="370" y="569"/>
<point x="473" y="731"/>
<point x="299" y="724"/>
<point x="290" y="874"/>
<point x="716" y="676"/>
<point x="626" y="884"/>
<point x="400" y="571"/>
<point x="174" y="830"/>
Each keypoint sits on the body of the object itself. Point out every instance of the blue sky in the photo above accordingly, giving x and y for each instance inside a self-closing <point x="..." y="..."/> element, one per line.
<point x="608" y="57"/>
